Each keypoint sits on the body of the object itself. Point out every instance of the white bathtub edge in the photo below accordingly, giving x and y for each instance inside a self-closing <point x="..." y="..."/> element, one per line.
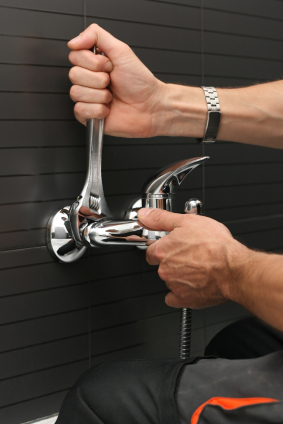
<point x="46" y="420"/>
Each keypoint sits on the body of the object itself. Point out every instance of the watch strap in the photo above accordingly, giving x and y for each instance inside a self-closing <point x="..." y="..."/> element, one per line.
<point x="213" y="116"/>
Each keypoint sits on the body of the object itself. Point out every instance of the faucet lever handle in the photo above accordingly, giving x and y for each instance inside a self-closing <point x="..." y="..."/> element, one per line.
<point x="167" y="180"/>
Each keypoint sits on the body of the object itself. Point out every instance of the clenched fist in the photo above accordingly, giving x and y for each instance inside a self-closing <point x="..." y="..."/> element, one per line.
<point x="117" y="86"/>
<point x="120" y="88"/>
<point x="199" y="259"/>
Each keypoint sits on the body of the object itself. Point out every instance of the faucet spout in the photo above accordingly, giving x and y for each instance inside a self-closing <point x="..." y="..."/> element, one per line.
<point x="120" y="233"/>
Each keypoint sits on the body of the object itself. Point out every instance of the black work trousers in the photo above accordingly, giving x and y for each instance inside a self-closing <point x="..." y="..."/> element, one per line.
<point x="171" y="391"/>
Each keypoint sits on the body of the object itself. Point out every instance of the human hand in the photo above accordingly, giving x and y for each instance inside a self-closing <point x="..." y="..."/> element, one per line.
<point x="199" y="259"/>
<point x="117" y="86"/>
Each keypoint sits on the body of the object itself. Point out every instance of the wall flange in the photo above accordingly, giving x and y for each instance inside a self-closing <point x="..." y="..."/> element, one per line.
<point x="59" y="238"/>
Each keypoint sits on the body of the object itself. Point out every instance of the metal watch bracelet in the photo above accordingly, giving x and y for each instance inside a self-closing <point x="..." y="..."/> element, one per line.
<point x="213" y="117"/>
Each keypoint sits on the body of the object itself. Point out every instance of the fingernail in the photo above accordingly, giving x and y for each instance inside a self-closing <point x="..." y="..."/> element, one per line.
<point x="142" y="213"/>
<point x="75" y="40"/>
<point x="108" y="66"/>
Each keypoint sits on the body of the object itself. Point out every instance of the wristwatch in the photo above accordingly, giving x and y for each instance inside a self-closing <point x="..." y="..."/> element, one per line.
<point x="213" y="117"/>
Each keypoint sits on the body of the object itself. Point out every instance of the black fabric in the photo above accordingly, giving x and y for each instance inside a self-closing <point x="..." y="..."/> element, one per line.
<point x="271" y="413"/>
<point x="247" y="338"/>
<point x="169" y="391"/>
<point x="124" y="392"/>
<point x="243" y="378"/>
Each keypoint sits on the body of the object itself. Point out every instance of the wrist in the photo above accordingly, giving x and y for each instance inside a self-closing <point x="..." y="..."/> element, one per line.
<point x="240" y="261"/>
<point x="247" y="267"/>
<point x="182" y="113"/>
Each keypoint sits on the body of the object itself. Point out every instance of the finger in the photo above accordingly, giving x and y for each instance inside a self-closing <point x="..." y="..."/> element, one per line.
<point x="158" y="219"/>
<point x="85" y="111"/>
<point x="95" y="35"/>
<point x="174" y="301"/>
<point x="81" y="76"/>
<point x="86" y="59"/>
<point x="79" y="93"/>
<point x="151" y="258"/>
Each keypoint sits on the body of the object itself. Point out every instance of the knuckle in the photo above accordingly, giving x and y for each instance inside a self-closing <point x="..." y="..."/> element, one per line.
<point x="162" y="273"/>
<point x="88" y="111"/>
<point x="102" y="111"/>
<point x="149" y="254"/>
<point x="175" y="288"/>
<point x="73" y="73"/>
<point x="71" y="56"/>
<point x="95" y="61"/>
<point x="107" y="96"/>
<point x="126" y="47"/>
<point x="159" y="253"/>
<point x="95" y="64"/>
<point x="147" y="257"/>
<point x="105" y="79"/>
<point x="94" y="27"/>
<point x="75" y="92"/>
<point x="79" y="109"/>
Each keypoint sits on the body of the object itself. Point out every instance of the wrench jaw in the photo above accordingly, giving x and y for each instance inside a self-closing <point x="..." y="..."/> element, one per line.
<point x="80" y="217"/>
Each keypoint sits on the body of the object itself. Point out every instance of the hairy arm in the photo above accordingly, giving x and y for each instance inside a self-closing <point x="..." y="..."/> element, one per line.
<point x="121" y="89"/>
<point x="259" y="286"/>
<point x="252" y="115"/>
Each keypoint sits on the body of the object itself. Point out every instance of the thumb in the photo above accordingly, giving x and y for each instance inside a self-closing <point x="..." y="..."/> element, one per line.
<point x="95" y="35"/>
<point x="158" y="219"/>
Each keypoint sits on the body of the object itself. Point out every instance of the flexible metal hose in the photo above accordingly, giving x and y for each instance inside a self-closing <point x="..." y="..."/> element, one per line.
<point x="185" y="334"/>
<point x="194" y="207"/>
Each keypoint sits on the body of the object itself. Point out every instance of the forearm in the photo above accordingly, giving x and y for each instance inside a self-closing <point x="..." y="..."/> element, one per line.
<point x="252" y="115"/>
<point x="258" y="285"/>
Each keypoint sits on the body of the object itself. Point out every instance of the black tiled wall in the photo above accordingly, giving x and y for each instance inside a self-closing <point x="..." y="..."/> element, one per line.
<point x="56" y="320"/>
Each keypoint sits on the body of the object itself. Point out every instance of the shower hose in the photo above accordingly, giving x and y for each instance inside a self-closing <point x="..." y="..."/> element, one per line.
<point x="185" y="334"/>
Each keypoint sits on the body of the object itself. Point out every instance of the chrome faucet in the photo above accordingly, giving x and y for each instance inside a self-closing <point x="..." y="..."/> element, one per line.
<point x="89" y="222"/>
<point x="159" y="192"/>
